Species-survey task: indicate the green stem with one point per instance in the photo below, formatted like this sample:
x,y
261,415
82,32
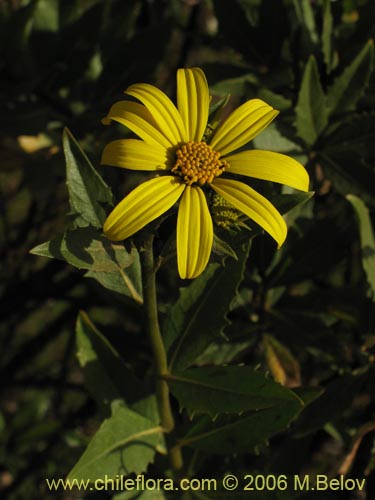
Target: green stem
x,y
158,349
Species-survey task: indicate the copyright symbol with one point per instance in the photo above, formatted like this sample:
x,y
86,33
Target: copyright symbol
x,y
230,482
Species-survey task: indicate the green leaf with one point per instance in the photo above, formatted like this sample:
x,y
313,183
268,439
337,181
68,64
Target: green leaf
x,y
311,110
286,202
46,17
199,315
107,262
367,239
125,443
106,375
239,435
222,249
344,93
226,389
327,36
272,139
305,14
223,352
87,190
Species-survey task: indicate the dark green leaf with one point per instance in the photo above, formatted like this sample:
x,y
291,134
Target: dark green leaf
x,y
286,202
125,443
223,352
343,95
87,190
311,110
222,248
226,389
327,36
367,239
106,375
199,315
239,435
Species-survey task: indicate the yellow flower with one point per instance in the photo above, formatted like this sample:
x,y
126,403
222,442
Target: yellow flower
x,y
171,143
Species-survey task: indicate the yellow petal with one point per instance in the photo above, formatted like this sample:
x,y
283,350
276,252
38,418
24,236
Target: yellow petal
x,y
162,110
193,101
139,120
269,166
241,126
134,154
143,205
194,233
254,205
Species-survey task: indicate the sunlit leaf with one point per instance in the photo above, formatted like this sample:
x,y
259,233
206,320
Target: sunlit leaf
x,y
126,442
107,262
88,193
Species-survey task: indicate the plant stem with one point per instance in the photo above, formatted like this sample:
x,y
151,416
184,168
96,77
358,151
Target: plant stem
x,y
157,345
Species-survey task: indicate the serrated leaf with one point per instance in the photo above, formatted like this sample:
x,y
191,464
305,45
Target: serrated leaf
x,y
88,193
199,315
226,389
125,443
311,109
281,362
239,435
107,262
344,93
367,239
106,375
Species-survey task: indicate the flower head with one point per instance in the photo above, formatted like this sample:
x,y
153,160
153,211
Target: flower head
x,y
172,144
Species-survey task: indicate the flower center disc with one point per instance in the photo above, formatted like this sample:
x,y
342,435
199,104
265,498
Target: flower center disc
x,y
198,163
